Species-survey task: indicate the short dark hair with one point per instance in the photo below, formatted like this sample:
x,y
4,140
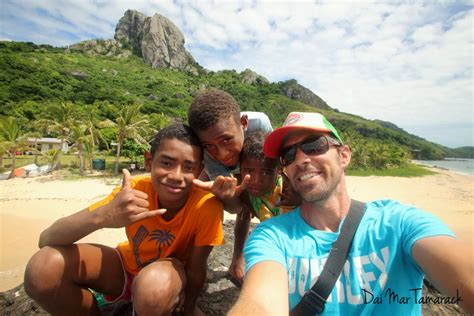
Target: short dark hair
x,y
253,145
177,131
208,107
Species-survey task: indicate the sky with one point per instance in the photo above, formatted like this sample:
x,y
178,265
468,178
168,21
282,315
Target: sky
x,y
409,63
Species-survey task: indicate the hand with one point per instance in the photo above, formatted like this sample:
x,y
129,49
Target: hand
x,y
288,196
127,207
224,188
236,269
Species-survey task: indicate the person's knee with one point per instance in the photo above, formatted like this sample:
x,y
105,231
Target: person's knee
x,y
157,287
44,272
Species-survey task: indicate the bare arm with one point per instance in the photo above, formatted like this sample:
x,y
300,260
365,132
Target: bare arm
x,y
449,264
241,231
128,206
265,291
232,206
196,269
70,229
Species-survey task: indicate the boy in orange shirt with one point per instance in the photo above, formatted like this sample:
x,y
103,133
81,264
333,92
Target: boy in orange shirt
x,y
171,227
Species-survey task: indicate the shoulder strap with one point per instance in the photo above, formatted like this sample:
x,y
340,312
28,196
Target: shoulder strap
x,y
313,301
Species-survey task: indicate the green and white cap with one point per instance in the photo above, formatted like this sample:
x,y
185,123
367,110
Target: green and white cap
x,y
310,121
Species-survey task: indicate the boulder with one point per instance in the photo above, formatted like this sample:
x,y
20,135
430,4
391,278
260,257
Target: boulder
x,y
79,74
130,28
156,39
162,45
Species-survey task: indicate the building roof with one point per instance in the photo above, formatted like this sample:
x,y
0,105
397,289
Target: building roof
x,y
49,140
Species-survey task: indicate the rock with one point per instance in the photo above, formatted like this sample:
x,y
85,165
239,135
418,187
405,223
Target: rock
x,y
163,44
78,74
156,39
108,47
293,90
16,302
249,76
194,69
218,296
130,27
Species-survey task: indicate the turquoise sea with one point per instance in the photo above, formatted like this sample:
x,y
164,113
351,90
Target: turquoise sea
x,y
463,165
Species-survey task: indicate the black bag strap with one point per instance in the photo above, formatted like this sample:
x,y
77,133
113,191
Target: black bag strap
x,y
314,300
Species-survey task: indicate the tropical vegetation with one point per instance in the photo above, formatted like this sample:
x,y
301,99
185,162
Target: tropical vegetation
x,y
113,106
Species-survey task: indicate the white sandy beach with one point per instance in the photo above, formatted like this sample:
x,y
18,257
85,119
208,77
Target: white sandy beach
x,y
27,206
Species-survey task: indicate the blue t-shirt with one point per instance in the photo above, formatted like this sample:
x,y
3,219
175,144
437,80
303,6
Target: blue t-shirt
x,y
256,121
380,275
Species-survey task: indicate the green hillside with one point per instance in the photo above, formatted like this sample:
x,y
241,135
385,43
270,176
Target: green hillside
x,y
35,77
463,152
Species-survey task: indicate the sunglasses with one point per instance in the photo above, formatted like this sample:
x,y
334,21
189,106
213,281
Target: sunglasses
x,y
312,146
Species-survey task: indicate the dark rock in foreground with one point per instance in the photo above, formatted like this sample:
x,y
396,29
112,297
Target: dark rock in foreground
x,y
218,297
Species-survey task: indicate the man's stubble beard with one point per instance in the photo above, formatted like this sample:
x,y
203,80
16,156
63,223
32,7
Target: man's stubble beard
x,y
325,190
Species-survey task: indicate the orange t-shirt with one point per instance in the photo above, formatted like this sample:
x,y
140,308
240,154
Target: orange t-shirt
x,y
198,223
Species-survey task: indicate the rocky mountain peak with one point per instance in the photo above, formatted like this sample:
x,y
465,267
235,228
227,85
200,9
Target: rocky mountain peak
x,y
156,39
293,90
130,26
249,76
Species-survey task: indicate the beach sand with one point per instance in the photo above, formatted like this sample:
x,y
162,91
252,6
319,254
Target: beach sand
x,y
28,206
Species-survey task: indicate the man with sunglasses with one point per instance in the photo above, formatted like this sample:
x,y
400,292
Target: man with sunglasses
x,y
393,248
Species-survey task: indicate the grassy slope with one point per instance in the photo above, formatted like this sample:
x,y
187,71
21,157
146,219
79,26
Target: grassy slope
x,y
37,75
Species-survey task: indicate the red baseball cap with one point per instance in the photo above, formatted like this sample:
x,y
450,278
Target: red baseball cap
x,y
310,121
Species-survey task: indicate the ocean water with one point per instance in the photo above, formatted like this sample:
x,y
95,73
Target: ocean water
x,y
463,165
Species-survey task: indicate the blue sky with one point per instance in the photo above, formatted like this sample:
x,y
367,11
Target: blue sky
x,y
410,63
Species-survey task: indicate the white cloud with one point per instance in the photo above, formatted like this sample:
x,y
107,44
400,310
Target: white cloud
x,y
408,63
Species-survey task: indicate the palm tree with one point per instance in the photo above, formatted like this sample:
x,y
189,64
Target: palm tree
x,y
93,129
78,134
86,135
89,152
59,119
13,138
130,123
162,237
3,150
34,147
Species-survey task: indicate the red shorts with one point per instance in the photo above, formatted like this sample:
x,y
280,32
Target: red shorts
x,y
126,294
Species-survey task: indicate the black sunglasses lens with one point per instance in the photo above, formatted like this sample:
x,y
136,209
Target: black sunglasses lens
x,y
312,146
316,146
288,156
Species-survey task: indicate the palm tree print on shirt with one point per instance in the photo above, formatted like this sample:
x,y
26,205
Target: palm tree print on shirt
x,y
162,237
